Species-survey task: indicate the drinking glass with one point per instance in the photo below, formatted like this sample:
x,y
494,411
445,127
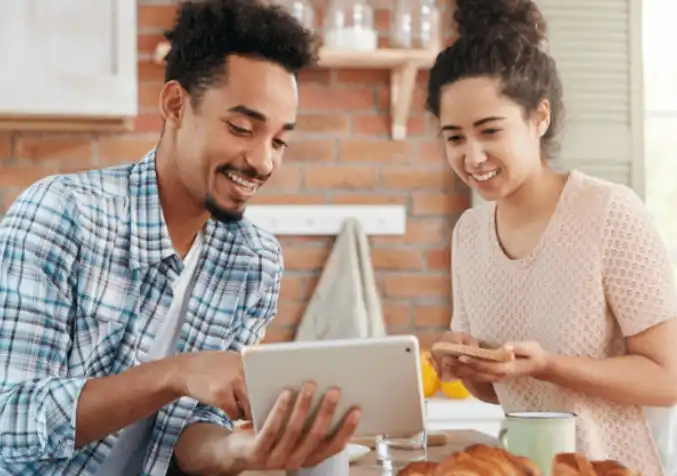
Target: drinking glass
x,y
393,454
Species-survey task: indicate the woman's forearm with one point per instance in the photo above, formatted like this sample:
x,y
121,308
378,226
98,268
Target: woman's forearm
x,y
629,379
482,391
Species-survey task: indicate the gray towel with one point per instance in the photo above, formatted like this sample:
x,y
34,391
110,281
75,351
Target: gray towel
x,y
346,302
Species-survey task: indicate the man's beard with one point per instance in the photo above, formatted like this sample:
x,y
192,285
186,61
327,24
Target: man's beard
x,y
222,214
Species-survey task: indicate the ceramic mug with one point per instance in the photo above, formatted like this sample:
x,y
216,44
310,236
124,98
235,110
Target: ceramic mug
x,y
539,436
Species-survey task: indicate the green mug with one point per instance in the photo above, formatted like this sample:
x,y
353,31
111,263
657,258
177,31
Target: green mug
x,y
539,436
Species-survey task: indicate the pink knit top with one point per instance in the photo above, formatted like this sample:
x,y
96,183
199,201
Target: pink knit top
x,y
599,273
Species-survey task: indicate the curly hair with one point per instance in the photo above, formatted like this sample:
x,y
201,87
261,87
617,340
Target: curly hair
x,y
206,32
504,39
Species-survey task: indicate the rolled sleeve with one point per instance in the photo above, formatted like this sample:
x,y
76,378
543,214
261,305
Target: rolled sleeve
x,y
38,248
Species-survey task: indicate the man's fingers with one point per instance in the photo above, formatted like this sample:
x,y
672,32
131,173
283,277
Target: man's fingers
x,y
338,441
318,431
293,430
274,424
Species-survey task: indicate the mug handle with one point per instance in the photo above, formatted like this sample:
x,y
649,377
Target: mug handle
x,y
503,438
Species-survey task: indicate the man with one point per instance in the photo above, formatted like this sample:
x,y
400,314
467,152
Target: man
x,y
111,281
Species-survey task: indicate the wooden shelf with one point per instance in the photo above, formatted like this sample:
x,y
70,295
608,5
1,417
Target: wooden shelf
x,y
66,124
403,66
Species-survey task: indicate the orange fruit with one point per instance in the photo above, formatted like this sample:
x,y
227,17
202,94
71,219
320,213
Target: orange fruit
x,y
454,389
429,377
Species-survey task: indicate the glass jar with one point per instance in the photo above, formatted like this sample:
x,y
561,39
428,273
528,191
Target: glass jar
x,y
415,24
302,10
349,25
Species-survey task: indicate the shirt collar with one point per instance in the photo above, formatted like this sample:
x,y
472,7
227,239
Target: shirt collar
x,y
149,240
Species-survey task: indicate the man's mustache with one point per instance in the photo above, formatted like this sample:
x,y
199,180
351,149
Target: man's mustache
x,y
248,172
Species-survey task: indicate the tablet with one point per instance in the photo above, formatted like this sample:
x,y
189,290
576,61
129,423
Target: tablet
x,y
380,375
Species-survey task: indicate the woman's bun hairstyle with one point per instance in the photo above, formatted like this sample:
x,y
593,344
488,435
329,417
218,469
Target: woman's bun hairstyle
x,y
501,20
505,39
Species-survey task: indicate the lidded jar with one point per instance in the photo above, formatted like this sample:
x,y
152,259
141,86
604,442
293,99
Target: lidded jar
x,y
349,25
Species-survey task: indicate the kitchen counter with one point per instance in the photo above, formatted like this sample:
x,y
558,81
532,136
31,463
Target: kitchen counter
x,y
457,440
444,413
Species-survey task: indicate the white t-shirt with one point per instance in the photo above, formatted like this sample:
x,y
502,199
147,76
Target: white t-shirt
x,y
126,457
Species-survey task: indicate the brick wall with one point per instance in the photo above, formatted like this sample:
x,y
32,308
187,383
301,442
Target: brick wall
x,y
341,155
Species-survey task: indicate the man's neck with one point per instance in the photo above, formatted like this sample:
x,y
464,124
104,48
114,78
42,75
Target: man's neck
x,y
185,217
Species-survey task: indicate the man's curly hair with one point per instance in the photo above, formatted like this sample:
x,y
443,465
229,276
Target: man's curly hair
x,y
206,32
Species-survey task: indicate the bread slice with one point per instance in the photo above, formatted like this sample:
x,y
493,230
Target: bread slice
x,y
457,350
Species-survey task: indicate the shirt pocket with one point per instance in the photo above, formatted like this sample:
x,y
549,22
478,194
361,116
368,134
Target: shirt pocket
x,y
107,304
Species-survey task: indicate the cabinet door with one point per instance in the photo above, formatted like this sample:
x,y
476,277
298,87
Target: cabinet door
x,y
69,58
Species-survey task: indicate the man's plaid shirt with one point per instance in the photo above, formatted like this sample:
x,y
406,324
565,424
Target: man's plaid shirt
x,y
86,273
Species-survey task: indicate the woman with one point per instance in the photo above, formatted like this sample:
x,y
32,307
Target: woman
x,y
566,270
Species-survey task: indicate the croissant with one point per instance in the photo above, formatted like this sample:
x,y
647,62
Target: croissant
x,y
475,460
484,460
574,464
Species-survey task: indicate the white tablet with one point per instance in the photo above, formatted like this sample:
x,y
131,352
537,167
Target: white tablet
x,y
380,375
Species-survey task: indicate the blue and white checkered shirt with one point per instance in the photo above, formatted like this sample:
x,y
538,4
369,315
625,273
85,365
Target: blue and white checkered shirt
x,y
86,273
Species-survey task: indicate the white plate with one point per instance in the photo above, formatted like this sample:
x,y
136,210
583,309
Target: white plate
x,y
355,452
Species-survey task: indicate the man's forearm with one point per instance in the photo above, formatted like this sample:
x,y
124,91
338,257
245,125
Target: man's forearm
x,y
482,391
202,450
109,404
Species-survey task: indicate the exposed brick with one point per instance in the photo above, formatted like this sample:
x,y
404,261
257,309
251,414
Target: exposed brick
x,y
438,259
150,71
287,177
278,333
60,149
396,313
397,259
290,287
311,151
289,312
432,316
363,76
22,175
346,177
361,198
5,145
314,97
425,203
150,122
420,231
323,123
416,285
263,197
149,96
118,150
304,258
381,151
155,16
413,177
148,42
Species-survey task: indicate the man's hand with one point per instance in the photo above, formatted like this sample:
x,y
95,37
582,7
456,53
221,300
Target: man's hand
x,y
215,378
294,442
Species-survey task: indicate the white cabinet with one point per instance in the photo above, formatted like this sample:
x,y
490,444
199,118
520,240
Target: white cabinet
x,y
68,58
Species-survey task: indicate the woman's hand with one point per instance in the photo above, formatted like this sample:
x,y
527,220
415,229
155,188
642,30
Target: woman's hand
x,y
530,360
449,367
